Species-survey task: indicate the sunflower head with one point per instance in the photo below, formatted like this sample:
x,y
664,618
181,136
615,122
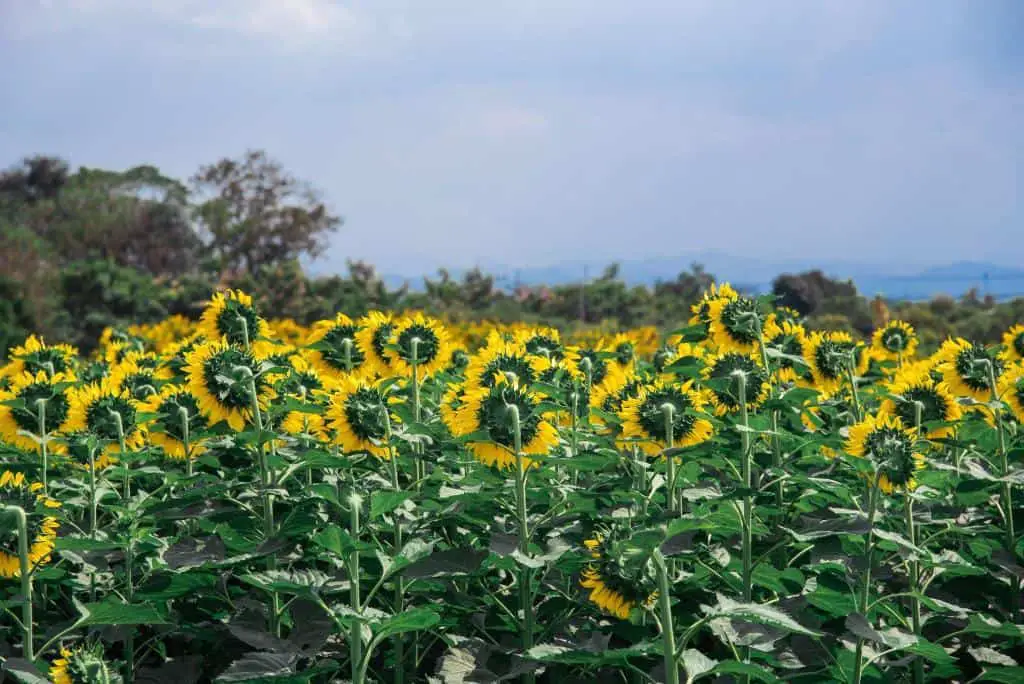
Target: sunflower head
x,y
487,410
141,375
790,340
702,309
107,412
334,346
891,447
359,417
1013,344
373,335
17,490
224,379
917,398
727,373
231,315
968,368
543,342
83,665
35,356
611,586
33,403
831,355
734,324
503,360
174,417
648,416
421,341
588,363
1011,390
895,340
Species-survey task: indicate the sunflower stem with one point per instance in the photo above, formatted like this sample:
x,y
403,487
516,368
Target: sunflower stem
x,y
865,596
914,572
355,597
43,446
268,499
25,575
186,440
414,362
129,644
747,527
780,482
399,602
92,491
120,442
1007,493
853,388
525,574
668,638
574,405
668,411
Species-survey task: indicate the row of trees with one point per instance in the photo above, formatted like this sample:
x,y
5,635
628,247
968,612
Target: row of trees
x,y
83,249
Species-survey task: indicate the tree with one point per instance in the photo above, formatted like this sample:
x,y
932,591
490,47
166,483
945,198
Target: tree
x,y
252,214
38,178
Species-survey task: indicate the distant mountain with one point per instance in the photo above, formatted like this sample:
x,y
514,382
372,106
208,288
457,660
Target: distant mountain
x,y
895,280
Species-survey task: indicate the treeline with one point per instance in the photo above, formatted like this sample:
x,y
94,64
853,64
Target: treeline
x,y
81,250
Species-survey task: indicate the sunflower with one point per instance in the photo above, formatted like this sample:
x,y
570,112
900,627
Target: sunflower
x,y
542,342
885,440
451,401
217,381
734,324
141,375
623,351
609,587
643,417
35,356
231,315
617,387
721,373
108,412
965,367
1013,345
172,411
305,380
83,665
936,400
702,309
829,355
458,360
334,348
790,340
374,331
288,330
299,423
895,341
1011,390
15,490
431,346
816,421
358,414
502,358
29,390
486,410
594,361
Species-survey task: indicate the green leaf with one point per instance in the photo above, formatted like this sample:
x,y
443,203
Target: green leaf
x,y
696,664
113,612
757,613
749,669
260,666
170,586
446,563
414,620
382,503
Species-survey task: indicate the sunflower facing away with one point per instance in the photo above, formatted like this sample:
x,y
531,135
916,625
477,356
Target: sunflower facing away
x,y
734,324
83,665
937,403
895,341
334,348
358,414
643,417
542,342
217,380
97,409
431,346
722,372
503,359
140,374
231,315
965,368
829,355
609,588
1011,390
702,309
35,355
886,441
1013,345
486,410
15,490
29,389
789,339
173,410
374,331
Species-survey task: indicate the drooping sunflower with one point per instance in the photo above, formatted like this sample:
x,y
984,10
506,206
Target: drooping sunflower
x,y
734,324
231,315
29,390
895,341
425,336
721,375
106,411
965,366
359,417
141,375
83,665
172,411
502,358
937,403
1011,390
611,588
485,410
1013,345
891,445
215,377
374,331
643,417
790,340
829,354
16,490
35,356
702,310
335,348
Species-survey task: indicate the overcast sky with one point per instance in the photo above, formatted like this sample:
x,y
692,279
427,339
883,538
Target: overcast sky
x,y
536,131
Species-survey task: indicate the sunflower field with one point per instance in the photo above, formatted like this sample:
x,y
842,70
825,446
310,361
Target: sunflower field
x,y
396,499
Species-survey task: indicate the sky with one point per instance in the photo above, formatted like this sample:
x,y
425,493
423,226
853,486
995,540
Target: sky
x,y
531,132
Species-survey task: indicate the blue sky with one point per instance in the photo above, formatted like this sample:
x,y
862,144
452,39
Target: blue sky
x,y
535,131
